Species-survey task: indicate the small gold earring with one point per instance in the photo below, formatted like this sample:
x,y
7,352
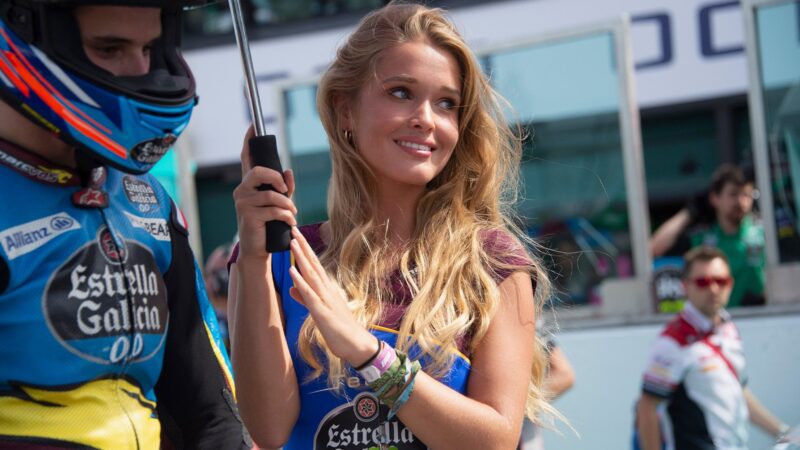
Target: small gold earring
x,y
348,135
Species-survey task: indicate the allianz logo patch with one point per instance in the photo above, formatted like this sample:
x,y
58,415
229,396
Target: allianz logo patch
x,y
27,237
154,227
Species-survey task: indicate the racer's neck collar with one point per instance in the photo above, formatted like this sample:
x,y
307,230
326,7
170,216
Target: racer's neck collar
x,y
35,167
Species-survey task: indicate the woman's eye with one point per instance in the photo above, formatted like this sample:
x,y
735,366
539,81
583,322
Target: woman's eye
x,y
399,92
448,104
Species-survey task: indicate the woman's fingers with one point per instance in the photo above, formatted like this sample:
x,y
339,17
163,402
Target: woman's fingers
x,y
264,175
288,176
309,254
305,265
264,199
245,155
258,218
308,297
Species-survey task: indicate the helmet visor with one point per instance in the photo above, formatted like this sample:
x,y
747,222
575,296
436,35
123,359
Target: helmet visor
x,y
167,81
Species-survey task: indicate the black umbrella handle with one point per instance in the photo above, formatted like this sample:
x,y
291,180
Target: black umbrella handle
x,y
264,152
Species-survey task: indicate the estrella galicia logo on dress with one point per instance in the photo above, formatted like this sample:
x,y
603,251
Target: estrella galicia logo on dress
x,y
140,193
362,425
366,407
108,303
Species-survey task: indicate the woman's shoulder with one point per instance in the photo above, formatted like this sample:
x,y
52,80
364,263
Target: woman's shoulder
x,y
502,246
505,253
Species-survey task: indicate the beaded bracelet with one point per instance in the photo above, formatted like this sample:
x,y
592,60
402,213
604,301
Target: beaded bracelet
x,y
393,377
409,387
390,391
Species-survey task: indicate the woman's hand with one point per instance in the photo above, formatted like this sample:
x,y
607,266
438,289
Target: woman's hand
x,y
327,303
254,208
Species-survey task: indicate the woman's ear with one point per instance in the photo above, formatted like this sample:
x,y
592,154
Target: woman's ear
x,y
341,105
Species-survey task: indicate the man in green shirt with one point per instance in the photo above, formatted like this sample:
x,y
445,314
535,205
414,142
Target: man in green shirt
x,y
735,231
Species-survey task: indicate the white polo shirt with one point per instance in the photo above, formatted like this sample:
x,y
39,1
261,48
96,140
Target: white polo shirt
x,y
700,370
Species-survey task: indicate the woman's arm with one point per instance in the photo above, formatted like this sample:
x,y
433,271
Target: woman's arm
x,y
490,415
266,383
267,391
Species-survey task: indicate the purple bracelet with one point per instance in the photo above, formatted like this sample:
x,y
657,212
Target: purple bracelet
x,y
380,364
385,358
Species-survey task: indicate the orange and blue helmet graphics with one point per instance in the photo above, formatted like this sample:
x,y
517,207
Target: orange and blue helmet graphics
x,y
129,122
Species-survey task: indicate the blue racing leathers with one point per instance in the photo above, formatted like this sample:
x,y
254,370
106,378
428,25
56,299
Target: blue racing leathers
x,y
108,339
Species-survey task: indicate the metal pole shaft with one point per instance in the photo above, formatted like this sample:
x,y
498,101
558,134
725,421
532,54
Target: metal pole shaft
x,y
247,65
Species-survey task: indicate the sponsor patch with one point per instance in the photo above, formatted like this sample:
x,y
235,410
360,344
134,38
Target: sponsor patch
x,y
27,237
149,152
115,252
140,194
155,227
108,303
62,176
92,196
361,425
40,173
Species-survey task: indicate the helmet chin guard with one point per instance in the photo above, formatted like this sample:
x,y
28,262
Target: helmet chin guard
x,y
126,122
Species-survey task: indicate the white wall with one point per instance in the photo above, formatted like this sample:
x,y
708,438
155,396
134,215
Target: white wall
x,y
608,363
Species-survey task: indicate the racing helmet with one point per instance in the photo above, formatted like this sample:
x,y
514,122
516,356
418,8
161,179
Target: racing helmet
x,y
128,122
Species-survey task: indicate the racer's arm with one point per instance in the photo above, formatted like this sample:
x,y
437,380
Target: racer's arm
x,y
647,422
560,375
667,234
761,416
194,391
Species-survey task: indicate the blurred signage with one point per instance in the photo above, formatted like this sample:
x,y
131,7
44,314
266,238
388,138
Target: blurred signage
x,y
668,292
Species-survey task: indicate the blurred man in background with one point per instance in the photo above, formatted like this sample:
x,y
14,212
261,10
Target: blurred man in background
x,y
215,276
559,379
735,231
695,394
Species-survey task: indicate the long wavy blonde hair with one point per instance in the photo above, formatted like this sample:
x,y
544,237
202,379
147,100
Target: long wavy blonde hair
x,y
445,265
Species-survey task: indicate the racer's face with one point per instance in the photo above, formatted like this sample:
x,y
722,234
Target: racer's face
x,y
708,286
118,39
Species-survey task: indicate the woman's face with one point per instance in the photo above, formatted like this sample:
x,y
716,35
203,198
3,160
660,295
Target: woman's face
x,y
405,120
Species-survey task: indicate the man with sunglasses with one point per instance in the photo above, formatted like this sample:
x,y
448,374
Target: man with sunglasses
x,y
694,395
107,337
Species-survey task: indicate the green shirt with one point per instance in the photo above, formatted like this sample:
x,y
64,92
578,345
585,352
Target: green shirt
x,y
745,252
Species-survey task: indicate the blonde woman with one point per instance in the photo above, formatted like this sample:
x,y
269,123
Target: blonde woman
x,y
408,319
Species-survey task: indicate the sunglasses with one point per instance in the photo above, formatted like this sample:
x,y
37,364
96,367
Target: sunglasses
x,y
704,282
